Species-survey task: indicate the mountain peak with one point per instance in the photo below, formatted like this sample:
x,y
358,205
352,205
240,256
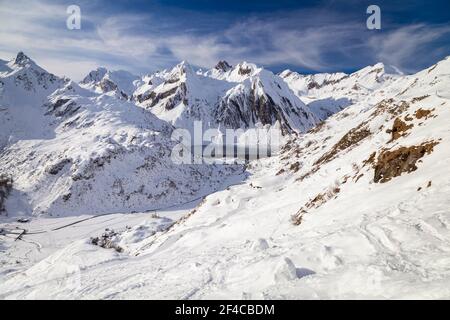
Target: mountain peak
x,y
95,75
223,66
22,60
245,67
182,68
378,67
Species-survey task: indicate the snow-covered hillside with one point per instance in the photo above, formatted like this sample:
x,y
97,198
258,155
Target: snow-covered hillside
x,y
357,207
76,151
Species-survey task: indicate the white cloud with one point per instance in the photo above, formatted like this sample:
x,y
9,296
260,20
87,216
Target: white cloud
x,y
408,45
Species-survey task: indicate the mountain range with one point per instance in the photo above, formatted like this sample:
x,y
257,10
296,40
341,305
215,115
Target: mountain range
x,y
354,204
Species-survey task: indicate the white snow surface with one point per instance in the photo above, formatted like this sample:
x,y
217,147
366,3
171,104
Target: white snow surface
x,y
359,239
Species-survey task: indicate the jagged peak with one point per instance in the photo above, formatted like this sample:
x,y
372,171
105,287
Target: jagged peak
x,y
242,71
244,66
22,59
223,66
95,75
101,70
182,69
21,63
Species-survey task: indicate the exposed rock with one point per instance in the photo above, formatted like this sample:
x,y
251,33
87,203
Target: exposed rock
x,y
244,70
390,107
6,183
295,167
393,163
223,65
316,202
351,138
423,113
246,109
62,108
57,167
416,99
174,96
399,129
107,240
22,59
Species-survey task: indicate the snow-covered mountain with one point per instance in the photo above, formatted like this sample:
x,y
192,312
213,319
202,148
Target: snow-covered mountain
x,y
120,83
328,93
72,150
356,86
241,97
24,83
356,207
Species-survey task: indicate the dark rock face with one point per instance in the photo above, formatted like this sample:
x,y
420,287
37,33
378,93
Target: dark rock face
x,y
244,71
57,167
21,59
107,85
223,65
6,183
62,108
175,96
313,85
247,109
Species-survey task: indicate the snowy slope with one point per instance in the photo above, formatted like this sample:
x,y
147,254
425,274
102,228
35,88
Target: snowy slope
x,y
355,208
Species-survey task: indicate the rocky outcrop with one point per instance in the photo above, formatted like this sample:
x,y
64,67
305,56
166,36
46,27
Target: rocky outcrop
x,y
6,183
393,163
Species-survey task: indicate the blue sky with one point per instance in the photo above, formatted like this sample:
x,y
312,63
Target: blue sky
x,y
146,35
